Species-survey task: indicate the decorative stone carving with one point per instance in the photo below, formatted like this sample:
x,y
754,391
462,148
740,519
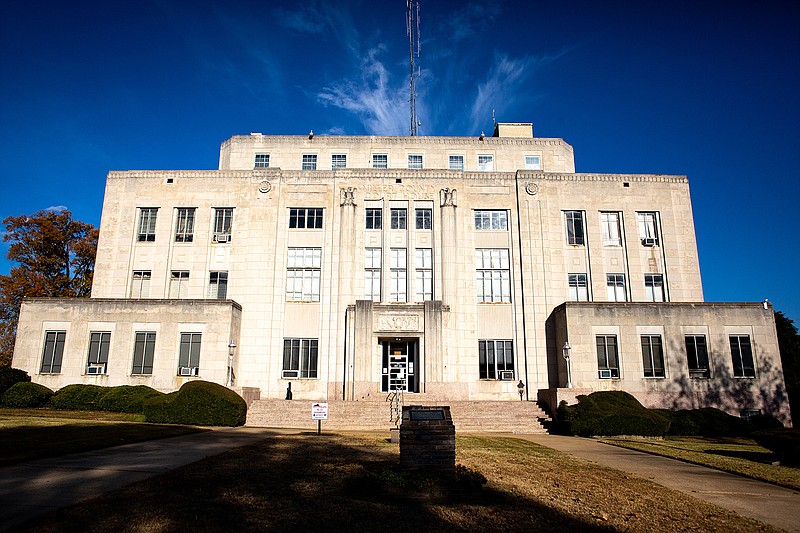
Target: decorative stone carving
x,y
264,186
532,188
398,323
348,196
447,197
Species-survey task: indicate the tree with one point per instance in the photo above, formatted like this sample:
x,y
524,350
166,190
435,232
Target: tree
x,y
54,257
789,345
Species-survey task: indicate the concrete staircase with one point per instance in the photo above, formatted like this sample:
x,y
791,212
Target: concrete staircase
x,y
468,417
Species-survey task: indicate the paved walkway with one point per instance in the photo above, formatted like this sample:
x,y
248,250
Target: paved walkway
x,y
768,503
31,489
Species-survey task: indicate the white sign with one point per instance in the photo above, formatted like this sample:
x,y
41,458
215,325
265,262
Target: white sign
x,y
319,411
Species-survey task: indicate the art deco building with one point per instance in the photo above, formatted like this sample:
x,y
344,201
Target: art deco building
x,y
454,268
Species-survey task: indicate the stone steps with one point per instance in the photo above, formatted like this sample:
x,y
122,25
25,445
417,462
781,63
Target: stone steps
x,y
468,416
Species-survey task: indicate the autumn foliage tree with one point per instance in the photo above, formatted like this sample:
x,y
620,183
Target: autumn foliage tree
x,y
53,256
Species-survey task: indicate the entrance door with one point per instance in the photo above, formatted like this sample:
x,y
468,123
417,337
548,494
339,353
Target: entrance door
x,y
399,365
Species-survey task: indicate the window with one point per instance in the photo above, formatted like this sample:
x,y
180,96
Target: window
x,y
493,280
414,160
218,285
491,220
300,358
616,288
303,274
648,228
380,160
184,224
654,287
652,356
147,224
578,288
140,285
423,261
495,359
99,342
338,161
607,357
374,218
143,350
262,161
305,218
309,162
53,352
533,162
697,356
423,218
609,225
397,275
372,274
223,219
456,162
742,354
575,234
189,354
179,284
398,218
486,163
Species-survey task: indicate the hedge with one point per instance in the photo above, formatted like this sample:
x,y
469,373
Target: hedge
x,y
78,397
199,403
9,376
126,398
26,394
610,413
785,443
705,422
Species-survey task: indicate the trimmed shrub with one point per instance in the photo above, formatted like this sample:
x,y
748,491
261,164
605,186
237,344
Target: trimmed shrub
x,y
199,403
785,443
78,397
126,398
26,394
9,376
763,422
705,422
611,413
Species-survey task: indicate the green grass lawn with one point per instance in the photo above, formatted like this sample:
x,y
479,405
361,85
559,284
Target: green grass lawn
x,y
736,455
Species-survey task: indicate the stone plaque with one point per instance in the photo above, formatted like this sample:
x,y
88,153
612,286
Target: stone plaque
x,y
398,323
433,414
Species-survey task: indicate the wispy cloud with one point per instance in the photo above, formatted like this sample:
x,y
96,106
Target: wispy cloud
x,y
322,18
465,22
56,208
307,19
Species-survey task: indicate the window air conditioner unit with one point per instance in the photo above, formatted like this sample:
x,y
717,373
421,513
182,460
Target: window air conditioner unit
x,y
290,374
605,374
506,375
189,370
222,237
96,369
649,241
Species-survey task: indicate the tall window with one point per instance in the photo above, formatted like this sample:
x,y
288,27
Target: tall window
x,y
189,354
374,218
338,161
533,162
496,359
305,218
303,271
398,218
380,160
414,160
262,161
143,350
397,275
140,284
654,287
575,228
652,356
697,356
616,288
184,224
456,162
309,162
423,261
218,285
223,220
493,278
609,225
578,288
97,361
147,224
607,356
486,163
742,355
648,228
179,284
486,219
423,218
372,274
53,352
300,358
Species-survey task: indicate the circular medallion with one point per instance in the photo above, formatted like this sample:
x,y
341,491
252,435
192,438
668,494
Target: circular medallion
x,y
532,188
264,186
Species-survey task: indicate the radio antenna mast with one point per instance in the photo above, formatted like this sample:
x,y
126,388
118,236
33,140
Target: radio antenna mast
x,y
412,28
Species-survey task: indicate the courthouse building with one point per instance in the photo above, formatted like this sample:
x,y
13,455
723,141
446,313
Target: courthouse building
x,y
453,268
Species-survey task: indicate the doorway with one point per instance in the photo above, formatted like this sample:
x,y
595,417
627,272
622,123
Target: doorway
x,y
399,365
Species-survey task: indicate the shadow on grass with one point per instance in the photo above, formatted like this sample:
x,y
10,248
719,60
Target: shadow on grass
x,y
757,457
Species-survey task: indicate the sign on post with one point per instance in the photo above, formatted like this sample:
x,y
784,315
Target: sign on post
x,y
319,412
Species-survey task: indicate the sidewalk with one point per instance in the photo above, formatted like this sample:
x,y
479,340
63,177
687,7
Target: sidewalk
x,y
31,489
768,503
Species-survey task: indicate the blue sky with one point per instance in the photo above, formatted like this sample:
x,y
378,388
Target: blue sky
x,y
707,89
